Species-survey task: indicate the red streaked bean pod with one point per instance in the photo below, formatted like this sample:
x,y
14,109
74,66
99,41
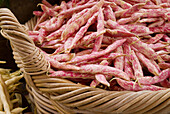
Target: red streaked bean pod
x,y
80,21
38,13
133,9
132,86
109,14
101,69
70,74
82,31
149,80
137,68
48,11
63,57
98,54
119,33
165,83
100,27
122,3
55,64
76,9
164,65
147,63
119,61
55,34
142,47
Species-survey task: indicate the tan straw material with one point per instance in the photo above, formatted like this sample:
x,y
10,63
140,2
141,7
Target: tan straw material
x,y
56,95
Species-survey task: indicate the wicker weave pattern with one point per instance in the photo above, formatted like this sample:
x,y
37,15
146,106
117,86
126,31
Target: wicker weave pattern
x,y
53,95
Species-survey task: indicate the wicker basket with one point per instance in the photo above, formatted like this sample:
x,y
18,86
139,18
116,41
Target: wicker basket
x,y
56,95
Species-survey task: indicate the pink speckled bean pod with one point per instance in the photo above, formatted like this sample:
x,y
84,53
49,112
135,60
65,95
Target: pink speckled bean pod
x,y
55,64
115,25
166,38
55,46
165,57
137,28
161,52
74,2
107,40
151,7
109,14
155,39
83,2
46,3
160,29
156,65
42,34
148,20
102,79
147,63
149,80
33,32
149,2
35,38
165,1
87,51
54,35
119,13
82,31
142,47
119,61
157,2
101,69
165,5
50,43
133,9
80,21
89,38
122,3
133,18
76,16
60,19
63,57
137,68
113,6
157,46
98,54
128,69
110,56
157,24
165,83
76,9
59,50
48,11
42,19
70,74
132,86
38,13
127,65
100,27
67,44
119,33
44,23
153,12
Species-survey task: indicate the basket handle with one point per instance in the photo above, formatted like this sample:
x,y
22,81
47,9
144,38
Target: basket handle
x,y
27,56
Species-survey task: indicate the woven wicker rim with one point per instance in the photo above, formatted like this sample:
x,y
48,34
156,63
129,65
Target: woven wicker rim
x,y
52,95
